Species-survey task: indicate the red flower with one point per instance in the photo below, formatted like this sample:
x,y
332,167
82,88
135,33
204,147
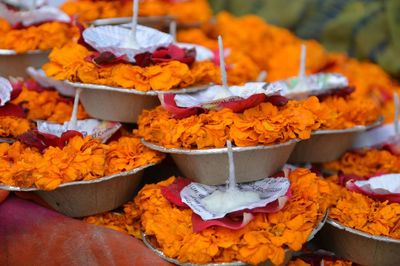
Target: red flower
x,y
12,110
42,141
104,58
174,53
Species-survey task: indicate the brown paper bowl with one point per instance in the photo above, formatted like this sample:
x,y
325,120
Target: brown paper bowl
x,y
84,198
120,104
210,166
327,145
359,247
288,252
14,65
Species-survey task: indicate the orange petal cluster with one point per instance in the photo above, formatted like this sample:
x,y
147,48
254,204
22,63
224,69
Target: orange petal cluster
x,y
116,221
264,238
360,212
41,37
366,163
80,159
182,11
47,105
13,126
273,49
339,113
369,79
263,124
69,63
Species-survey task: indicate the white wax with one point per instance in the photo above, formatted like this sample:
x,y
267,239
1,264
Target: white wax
x,y
224,78
72,125
302,84
172,30
228,201
131,42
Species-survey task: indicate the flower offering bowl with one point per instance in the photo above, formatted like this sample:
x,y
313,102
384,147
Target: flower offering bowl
x,y
288,252
13,64
328,145
359,247
120,104
210,166
84,198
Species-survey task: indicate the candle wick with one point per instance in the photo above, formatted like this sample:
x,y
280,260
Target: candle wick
x,y
73,123
172,30
396,112
222,63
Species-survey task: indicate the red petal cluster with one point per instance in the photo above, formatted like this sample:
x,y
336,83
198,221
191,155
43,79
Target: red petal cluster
x,y
42,141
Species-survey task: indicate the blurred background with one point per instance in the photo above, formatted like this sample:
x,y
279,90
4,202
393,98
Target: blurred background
x,y
362,28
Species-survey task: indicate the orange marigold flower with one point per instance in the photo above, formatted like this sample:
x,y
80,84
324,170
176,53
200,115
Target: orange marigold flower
x,y
13,126
261,125
47,105
4,26
69,63
360,212
186,12
41,37
264,238
80,159
366,163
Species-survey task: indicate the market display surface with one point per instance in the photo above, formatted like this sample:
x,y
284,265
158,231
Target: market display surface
x,y
282,153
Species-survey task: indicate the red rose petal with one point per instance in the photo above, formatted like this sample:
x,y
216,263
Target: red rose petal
x,y
174,53
178,112
12,110
104,58
199,224
277,100
42,141
340,92
173,192
31,139
238,106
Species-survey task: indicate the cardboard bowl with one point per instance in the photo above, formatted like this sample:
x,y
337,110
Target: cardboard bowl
x,y
328,145
359,247
288,253
14,65
120,104
210,166
84,198
157,22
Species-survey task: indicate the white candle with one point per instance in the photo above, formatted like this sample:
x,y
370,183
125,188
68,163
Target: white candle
x,y
232,175
222,63
396,112
262,76
73,123
302,70
172,30
226,201
132,38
